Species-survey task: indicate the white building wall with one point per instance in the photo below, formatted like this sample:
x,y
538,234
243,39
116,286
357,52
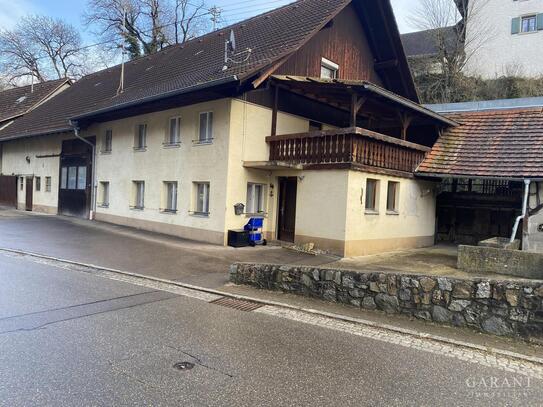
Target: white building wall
x,y
34,157
493,49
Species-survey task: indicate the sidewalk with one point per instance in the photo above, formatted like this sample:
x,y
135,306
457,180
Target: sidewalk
x,y
141,252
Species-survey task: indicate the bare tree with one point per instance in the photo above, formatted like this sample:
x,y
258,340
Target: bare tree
x,y
188,21
42,48
149,25
458,30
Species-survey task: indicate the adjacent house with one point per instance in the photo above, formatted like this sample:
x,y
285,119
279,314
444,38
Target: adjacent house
x,y
497,38
14,104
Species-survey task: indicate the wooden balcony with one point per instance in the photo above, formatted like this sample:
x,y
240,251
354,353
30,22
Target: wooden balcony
x,y
353,145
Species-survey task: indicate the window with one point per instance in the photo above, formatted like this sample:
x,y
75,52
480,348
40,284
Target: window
x,y
21,183
104,194
255,198
174,132
64,178
140,140
528,24
138,194
170,196
47,184
81,177
38,183
393,194
329,69
202,198
205,134
72,177
107,141
372,195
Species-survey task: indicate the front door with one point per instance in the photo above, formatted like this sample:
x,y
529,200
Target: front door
x,y
287,208
29,193
75,178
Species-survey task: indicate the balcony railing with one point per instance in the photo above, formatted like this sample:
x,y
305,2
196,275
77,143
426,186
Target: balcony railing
x,y
350,145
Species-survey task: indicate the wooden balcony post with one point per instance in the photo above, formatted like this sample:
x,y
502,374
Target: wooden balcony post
x,y
405,119
356,104
274,111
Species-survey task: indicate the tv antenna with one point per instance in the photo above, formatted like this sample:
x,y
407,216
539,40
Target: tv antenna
x,y
120,89
215,16
230,47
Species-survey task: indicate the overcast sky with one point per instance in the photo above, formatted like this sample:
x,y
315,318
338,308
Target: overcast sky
x,y
71,10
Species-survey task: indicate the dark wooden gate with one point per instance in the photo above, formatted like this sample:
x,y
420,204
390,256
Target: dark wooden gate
x,y
29,193
8,191
75,190
287,208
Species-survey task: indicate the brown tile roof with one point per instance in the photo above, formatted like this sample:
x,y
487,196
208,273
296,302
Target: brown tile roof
x,y
270,36
199,62
17,101
500,143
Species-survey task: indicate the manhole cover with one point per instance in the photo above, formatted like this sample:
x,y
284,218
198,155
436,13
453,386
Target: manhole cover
x,y
183,365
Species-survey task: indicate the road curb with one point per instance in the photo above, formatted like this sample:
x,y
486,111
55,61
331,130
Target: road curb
x,y
405,331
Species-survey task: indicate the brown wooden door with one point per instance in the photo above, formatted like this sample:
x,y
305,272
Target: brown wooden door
x,y
287,208
8,191
29,193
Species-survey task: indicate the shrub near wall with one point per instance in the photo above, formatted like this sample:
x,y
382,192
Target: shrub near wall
x,y
504,308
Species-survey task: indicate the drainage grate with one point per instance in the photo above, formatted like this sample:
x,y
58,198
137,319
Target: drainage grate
x,y
237,304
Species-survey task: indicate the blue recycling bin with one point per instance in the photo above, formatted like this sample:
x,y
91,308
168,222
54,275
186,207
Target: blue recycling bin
x,y
254,227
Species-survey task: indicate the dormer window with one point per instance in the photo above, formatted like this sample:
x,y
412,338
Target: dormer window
x,y
329,69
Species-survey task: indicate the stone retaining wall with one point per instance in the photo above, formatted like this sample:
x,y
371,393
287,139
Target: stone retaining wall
x,y
499,307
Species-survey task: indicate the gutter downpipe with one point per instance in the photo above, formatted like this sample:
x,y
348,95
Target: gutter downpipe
x,y
92,211
524,206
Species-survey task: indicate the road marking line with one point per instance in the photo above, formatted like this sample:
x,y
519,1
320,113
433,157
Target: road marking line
x,y
300,314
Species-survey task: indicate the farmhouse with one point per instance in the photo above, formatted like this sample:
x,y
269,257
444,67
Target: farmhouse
x,y
306,116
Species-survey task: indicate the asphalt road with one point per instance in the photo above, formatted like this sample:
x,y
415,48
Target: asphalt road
x,y
69,338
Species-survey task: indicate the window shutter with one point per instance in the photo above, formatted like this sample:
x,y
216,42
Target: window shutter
x,y
515,25
540,21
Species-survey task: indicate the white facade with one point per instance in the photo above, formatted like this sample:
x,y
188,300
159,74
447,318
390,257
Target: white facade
x,y
501,38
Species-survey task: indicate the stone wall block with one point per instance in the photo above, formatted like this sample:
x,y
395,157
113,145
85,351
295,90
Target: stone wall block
x,y
427,284
512,296
444,283
483,290
368,303
463,289
387,303
392,285
440,314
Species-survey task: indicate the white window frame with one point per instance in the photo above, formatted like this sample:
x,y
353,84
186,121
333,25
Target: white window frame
x,y
104,194
526,17
330,66
394,210
202,210
170,202
177,139
374,209
209,128
252,194
139,195
48,182
138,139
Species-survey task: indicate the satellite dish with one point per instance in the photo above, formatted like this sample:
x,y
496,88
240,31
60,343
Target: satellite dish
x,y
232,41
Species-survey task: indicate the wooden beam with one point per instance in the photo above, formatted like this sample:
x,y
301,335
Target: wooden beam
x,y
405,119
356,104
274,110
382,65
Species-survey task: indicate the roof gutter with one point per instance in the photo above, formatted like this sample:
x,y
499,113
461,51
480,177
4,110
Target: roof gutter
x,y
407,103
200,86
458,176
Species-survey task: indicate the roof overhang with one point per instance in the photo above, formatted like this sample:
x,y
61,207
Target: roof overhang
x,y
473,176
340,90
231,80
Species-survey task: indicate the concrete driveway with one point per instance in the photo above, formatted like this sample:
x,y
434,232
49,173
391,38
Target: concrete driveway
x,y
135,250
